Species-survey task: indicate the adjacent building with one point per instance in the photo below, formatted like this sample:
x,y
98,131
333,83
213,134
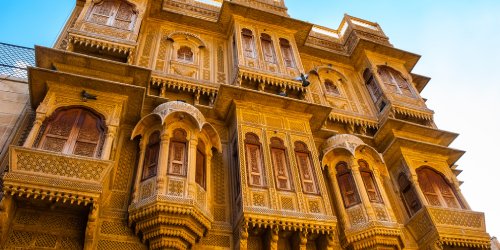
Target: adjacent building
x,y
186,124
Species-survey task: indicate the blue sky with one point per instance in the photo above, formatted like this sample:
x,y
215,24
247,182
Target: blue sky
x,y
458,41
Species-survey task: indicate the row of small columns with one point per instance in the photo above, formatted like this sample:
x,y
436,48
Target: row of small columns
x,y
367,205
163,164
273,238
37,125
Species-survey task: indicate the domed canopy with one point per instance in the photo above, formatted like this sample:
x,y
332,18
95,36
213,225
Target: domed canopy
x,y
173,110
347,142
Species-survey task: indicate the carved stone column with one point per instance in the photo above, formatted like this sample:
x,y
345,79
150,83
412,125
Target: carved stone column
x,y
37,124
135,192
381,187
162,163
7,210
91,229
108,143
243,244
344,219
208,183
273,238
303,240
362,192
461,198
191,171
420,194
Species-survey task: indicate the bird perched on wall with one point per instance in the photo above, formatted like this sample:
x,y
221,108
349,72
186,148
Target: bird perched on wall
x,y
303,78
87,96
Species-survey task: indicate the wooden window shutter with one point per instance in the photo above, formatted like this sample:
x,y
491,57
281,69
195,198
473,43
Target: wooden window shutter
x,y
73,131
178,153
253,158
151,155
200,175
347,185
280,164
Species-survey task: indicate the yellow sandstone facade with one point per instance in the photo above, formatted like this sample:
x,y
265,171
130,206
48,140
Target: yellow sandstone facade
x,y
185,124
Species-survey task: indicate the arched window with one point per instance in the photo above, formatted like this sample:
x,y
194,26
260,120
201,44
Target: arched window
x,y
304,163
408,194
73,131
178,153
116,13
370,184
395,82
248,43
184,53
280,164
151,154
436,189
287,53
346,184
374,89
267,48
331,88
253,152
201,165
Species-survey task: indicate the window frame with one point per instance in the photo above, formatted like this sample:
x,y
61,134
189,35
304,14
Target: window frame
x,y
147,157
277,145
268,41
433,181
72,139
301,148
346,174
112,17
252,140
178,139
369,179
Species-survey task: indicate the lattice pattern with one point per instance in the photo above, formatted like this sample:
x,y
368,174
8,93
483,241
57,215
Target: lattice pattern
x,y
125,166
14,60
54,164
115,228
314,207
113,245
118,200
216,240
176,188
219,213
287,203
356,215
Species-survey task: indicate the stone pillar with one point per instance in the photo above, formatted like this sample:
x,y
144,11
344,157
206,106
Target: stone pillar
x,y
303,240
208,174
91,229
460,196
344,219
108,143
383,193
37,124
142,149
362,192
273,238
191,167
420,194
162,163
243,244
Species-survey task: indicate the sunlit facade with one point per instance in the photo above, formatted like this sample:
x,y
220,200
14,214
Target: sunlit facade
x,y
186,124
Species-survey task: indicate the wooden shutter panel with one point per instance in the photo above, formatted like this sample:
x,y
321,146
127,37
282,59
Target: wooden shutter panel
x,y
151,156
281,168
306,172
370,186
59,130
101,13
348,189
177,158
200,169
88,135
254,164
427,188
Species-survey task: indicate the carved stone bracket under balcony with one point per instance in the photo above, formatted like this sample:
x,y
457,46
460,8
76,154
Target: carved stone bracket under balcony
x,y
164,83
451,227
169,222
39,174
252,75
372,234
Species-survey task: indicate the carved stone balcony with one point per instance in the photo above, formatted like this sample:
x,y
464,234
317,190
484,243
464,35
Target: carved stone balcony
x,y
40,174
449,227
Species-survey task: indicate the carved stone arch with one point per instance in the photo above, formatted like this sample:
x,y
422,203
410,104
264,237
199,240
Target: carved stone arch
x,y
438,171
407,77
371,152
214,137
200,42
144,124
351,144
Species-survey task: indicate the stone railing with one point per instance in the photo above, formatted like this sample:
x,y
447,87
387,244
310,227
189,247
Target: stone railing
x,y
450,226
40,174
343,39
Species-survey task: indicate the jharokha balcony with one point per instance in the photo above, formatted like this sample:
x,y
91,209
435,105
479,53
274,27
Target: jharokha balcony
x,y
40,174
445,227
